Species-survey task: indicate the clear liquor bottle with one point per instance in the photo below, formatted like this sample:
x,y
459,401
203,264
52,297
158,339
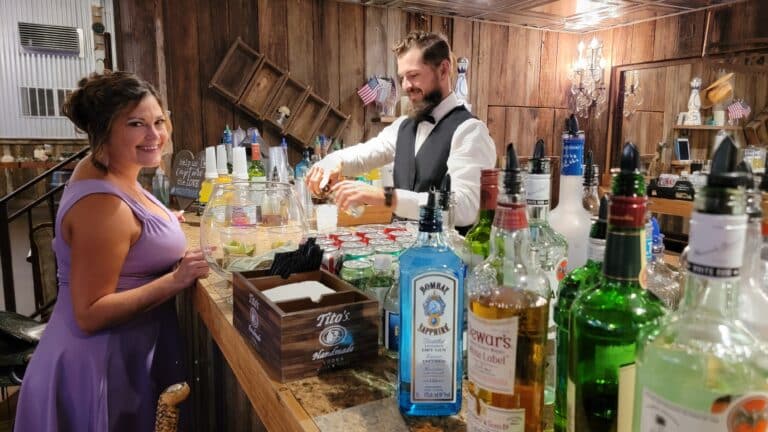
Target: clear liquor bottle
x,y
573,284
607,318
663,282
448,204
431,313
589,198
569,217
753,299
509,303
548,247
703,370
478,236
392,319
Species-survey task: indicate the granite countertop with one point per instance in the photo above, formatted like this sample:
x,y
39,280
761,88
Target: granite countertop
x,y
353,399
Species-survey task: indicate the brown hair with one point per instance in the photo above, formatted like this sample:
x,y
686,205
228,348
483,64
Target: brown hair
x,y
434,46
98,100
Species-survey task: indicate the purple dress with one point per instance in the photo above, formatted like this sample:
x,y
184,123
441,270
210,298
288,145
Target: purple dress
x,y
110,380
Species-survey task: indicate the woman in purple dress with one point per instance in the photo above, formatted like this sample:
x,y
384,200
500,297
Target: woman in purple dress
x,y
112,344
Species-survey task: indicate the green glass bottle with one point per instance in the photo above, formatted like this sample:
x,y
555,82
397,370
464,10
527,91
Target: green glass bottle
x,y
575,282
607,318
703,369
478,236
256,171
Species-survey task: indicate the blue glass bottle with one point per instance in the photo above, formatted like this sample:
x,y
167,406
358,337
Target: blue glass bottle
x,y
431,314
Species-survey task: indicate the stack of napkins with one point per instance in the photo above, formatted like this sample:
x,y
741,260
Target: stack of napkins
x,y
312,289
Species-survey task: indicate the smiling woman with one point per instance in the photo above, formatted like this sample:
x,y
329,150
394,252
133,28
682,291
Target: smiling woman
x,y
112,342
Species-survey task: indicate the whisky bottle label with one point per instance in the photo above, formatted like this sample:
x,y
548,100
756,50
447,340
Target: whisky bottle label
x,y
485,418
626,397
492,353
435,335
537,189
726,414
717,245
391,331
570,397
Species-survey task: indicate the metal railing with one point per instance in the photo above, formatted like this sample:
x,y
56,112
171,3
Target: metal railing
x,y
6,260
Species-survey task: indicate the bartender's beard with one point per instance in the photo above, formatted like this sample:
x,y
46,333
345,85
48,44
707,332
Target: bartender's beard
x,y
426,105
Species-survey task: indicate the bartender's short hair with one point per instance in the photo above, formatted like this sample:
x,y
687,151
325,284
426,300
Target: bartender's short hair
x,y
434,46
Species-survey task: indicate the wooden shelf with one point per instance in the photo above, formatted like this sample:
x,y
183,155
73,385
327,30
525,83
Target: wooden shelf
x,y
670,207
384,119
706,127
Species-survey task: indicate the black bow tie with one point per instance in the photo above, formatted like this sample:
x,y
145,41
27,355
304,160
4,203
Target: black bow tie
x,y
426,118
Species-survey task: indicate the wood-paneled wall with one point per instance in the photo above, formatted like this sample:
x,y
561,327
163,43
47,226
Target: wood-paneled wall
x,y
518,77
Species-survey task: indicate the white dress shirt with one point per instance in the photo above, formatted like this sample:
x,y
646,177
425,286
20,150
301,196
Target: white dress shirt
x,y
472,150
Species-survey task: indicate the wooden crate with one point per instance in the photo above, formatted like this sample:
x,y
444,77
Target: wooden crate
x,y
291,94
334,123
266,82
236,70
308,118
371,215
300,338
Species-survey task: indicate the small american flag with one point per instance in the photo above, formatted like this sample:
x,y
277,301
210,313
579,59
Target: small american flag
x,y
738,110
369,91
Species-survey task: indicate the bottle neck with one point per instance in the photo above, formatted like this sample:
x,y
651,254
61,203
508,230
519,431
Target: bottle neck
x,y
537,193
590,191
625,245
509,232
715,258
751,261
596,250
570,191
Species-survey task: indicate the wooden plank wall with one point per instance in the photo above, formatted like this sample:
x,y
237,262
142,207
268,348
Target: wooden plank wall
x,y
518,77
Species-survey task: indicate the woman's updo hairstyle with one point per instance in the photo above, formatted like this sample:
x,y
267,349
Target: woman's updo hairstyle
x,y
98,100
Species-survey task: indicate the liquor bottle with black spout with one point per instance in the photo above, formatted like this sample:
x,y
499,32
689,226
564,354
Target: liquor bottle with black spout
x,y
569,217
590,199
431,315
607,318
548,247
509,303
572,285
702,369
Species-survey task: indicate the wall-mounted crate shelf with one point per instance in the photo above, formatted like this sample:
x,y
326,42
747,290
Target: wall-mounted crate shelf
x,y
291,94
334,122
259,87
236,70
308,118
266,82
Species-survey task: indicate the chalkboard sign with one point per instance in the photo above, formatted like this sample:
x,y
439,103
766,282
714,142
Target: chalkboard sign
x,y
187,175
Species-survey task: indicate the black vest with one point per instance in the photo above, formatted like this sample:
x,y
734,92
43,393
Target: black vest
x,y
427,169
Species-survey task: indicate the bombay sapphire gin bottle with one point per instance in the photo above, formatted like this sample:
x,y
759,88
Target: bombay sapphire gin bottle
x,y
431,314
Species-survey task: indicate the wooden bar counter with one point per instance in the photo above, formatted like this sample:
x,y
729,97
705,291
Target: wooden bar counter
x,y
353,399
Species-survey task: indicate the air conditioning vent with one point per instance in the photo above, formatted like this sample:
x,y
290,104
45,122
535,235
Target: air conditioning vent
x,y
51,39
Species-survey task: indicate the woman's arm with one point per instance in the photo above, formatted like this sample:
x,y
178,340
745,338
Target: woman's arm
x,y
100,230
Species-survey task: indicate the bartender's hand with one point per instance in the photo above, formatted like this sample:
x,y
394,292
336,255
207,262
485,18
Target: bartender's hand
x,y
349,193
318,177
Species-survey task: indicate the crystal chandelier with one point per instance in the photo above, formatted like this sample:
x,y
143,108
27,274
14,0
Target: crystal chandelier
x,y
632,96
588,88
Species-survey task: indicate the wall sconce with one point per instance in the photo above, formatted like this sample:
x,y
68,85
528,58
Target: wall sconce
x,y
588,88
632,96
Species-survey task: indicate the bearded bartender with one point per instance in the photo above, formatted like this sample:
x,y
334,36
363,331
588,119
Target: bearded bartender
x,y
439,137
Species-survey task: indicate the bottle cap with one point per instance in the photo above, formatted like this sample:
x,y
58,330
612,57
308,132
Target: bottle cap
x,y
538,163
382,262
283,142
445,193
589,170
221,160
210,163
722,172
239,164
513,180
630,159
